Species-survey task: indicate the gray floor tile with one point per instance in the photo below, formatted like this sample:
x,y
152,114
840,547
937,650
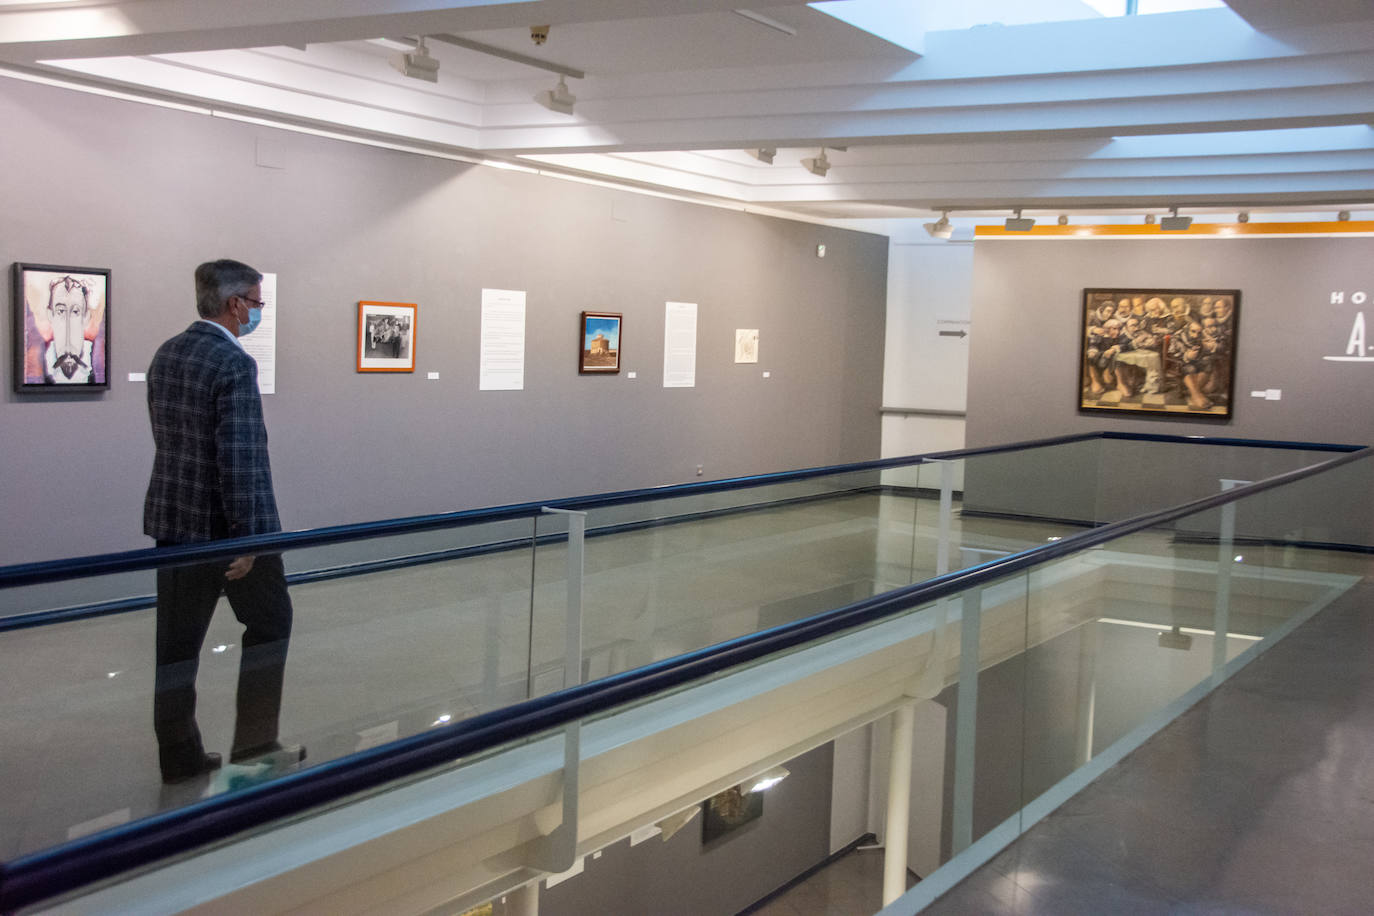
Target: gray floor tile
x,y
1258,800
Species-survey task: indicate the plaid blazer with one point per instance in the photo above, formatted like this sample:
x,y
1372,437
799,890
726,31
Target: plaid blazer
x,y
211,477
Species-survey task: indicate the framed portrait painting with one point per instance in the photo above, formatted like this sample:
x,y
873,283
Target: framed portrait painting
x,y
61,328
386,336
1163,352
599,343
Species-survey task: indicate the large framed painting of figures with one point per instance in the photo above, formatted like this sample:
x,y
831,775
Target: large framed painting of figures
x,y
61,328
1162,352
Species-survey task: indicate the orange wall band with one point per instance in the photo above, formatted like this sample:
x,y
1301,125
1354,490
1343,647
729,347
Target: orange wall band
x,y
1209,230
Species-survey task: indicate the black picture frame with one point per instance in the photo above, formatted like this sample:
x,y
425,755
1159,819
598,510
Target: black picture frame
x,y
1173,354
599,343
61,328
728,811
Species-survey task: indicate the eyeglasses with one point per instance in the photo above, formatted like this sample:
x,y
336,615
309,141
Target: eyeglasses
x,y
257,302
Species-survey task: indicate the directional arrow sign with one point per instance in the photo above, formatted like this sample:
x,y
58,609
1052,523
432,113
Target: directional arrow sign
x,y
954,333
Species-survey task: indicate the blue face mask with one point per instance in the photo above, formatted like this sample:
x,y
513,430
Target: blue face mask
x,y
254,319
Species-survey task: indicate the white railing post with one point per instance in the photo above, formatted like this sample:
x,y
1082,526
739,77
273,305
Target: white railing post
x,y
966,719
933,679
557,851
1221,619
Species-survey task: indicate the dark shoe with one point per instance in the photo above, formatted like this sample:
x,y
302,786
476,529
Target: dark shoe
x,y
208,764
276,754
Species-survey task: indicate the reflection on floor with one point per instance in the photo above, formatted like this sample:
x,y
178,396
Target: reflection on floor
x,y
392,653
849,886
1260,799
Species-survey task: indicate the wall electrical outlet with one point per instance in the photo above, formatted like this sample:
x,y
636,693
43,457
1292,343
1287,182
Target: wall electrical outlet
x,y
699,470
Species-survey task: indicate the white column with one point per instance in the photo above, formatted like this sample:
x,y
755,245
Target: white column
x,y
898,822
524,901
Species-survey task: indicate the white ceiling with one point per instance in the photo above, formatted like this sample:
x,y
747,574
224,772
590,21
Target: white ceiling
x,y
1262,103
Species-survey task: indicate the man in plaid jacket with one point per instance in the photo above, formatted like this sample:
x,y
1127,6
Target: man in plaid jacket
x,y
211,479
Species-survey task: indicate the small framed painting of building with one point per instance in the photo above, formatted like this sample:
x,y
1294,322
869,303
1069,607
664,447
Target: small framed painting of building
x,y
598,343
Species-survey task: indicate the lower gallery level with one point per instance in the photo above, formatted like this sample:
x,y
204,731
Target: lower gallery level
x,y
1073,660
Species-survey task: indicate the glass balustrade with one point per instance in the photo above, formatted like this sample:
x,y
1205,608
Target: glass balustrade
x,y
1034,676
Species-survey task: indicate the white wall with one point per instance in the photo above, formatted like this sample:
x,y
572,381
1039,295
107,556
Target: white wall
x,y
928,291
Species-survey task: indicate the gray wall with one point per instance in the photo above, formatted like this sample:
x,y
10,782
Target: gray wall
x,y
150,192
683,876
1024,369
1027,295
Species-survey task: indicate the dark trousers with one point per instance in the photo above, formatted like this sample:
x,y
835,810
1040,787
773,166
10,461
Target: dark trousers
x,y
186,599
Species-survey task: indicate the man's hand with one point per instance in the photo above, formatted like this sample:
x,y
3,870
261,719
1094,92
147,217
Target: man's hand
x,y
239,568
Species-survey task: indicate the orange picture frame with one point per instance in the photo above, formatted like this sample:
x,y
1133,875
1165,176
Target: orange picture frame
x,y
387,336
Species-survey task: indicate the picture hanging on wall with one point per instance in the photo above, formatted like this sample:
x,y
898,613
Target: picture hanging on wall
x,y
729,811
746,345
599,343
61,328
1168,352
386,336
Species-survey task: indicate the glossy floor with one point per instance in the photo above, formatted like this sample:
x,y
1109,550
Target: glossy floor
x,y
387,654
1258,800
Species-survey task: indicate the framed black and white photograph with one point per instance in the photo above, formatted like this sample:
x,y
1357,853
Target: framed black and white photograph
x,y
1159,351
61,328
599,343
728,811
386,336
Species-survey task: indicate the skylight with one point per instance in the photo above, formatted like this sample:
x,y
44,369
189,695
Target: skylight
x,y
905,22
1147,7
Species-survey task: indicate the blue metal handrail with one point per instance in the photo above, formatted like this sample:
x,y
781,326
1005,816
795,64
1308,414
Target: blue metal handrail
x,y
40,875
153,557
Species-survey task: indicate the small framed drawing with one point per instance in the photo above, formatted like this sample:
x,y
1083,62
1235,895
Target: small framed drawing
x,y
386,336
1161,352
61,328
598,343
746,345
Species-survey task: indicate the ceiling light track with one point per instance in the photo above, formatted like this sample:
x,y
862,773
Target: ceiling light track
x,y
515,56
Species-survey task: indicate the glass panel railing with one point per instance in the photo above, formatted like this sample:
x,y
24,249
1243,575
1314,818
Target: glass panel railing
x,y
988,707
418,631
402,636
1145,476
668,576
1124,636
994,520
1056,484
